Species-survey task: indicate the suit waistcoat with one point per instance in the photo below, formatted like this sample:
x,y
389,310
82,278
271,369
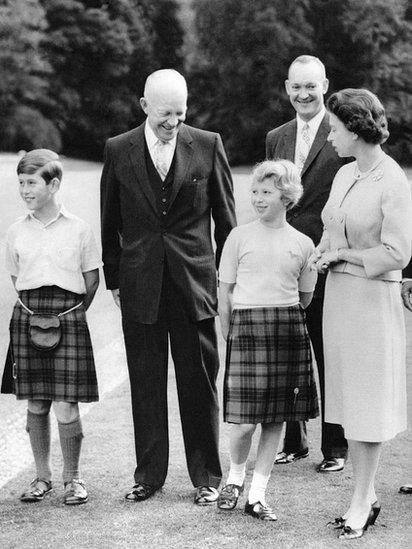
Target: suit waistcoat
x,y
161,189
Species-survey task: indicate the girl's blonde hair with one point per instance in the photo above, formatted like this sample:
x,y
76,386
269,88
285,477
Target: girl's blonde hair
x,y
285,177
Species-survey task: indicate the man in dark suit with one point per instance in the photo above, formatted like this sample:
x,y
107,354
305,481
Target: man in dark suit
x,y
303,141
406,293
161,184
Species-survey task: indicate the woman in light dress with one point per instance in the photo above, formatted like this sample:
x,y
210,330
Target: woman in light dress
x,y
365,245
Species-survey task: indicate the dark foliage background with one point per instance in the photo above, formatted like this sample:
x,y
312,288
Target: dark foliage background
x,y
73,70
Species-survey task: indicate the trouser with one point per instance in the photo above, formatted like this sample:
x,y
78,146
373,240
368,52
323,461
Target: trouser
x,y
333,443
196,361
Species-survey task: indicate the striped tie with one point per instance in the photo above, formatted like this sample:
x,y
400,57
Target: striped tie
x,y
304,147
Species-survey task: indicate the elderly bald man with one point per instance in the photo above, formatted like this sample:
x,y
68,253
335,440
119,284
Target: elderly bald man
x,y
162,183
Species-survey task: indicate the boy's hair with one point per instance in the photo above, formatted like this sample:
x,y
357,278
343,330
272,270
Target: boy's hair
x,y
44,161
285,177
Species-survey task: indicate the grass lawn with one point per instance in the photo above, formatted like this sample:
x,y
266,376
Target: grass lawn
x,y
303,499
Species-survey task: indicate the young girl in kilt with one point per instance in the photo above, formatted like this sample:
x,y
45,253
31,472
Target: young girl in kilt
x,y
53,261
265,283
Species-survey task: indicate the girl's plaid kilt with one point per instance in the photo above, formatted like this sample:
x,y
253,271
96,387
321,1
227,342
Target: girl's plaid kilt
x,y
269,372
66,373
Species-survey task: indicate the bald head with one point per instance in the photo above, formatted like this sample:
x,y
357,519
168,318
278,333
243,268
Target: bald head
x,y
165,102
165,81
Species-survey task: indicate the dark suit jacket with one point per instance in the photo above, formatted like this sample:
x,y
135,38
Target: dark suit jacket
x,y
407,272
137,238
317,175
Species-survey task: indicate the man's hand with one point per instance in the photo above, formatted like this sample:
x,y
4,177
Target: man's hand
x,y
116,297
406,293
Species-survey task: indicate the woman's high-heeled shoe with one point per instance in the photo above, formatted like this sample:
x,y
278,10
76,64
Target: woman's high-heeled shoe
x,y
353,533
376,509
339,522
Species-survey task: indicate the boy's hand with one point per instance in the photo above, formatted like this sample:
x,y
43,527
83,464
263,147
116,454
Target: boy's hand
x,y
116,296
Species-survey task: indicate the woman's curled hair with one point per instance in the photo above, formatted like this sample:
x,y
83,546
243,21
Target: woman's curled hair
x,y
361,112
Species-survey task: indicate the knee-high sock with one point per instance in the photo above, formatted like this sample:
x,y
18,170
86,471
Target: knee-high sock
x,y
38,427
71,435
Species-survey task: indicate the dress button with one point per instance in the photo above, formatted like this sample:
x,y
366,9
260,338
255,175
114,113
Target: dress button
x,y
163,188
163,212
163,199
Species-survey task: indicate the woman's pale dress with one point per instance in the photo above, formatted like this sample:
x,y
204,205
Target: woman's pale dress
x,y
363,322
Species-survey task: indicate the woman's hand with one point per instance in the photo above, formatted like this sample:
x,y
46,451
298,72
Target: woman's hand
x,y
327,259
313,259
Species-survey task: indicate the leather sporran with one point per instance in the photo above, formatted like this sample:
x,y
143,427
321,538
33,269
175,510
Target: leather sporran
x,y
44,331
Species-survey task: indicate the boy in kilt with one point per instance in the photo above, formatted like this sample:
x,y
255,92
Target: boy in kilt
x,y
53,261
265,285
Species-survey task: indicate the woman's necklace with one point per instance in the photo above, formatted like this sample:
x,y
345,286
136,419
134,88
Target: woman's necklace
x,y
376,176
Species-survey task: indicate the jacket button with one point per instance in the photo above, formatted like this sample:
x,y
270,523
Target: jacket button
x,y
164,213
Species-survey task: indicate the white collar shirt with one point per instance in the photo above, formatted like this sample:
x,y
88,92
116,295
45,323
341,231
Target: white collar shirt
x,y
313,124
151,141
55,253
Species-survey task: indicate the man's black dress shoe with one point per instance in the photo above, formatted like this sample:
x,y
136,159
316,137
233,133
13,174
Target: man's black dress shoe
x,y
331,465
140,492
406,489
206,495
283,457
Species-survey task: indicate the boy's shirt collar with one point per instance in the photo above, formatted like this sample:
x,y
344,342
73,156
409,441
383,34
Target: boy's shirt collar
x,y
61,213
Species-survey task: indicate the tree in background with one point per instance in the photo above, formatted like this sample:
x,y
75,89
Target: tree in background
x,y
238,71
100,52
167,32
24,82
243,50
367,43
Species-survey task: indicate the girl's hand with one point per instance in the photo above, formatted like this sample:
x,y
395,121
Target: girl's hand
x,y
313,259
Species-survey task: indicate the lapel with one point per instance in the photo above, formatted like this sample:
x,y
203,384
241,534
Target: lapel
x,y
344,190
183,154
318,143
138,161
289,142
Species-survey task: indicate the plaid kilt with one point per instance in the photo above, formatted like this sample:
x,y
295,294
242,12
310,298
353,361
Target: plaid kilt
x,y
269,373
66,373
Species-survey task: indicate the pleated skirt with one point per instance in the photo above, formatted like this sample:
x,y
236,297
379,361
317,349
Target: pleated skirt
x,y
66,373
269,373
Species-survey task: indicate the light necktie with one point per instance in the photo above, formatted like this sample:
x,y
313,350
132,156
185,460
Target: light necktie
x,y
161,158
304,147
